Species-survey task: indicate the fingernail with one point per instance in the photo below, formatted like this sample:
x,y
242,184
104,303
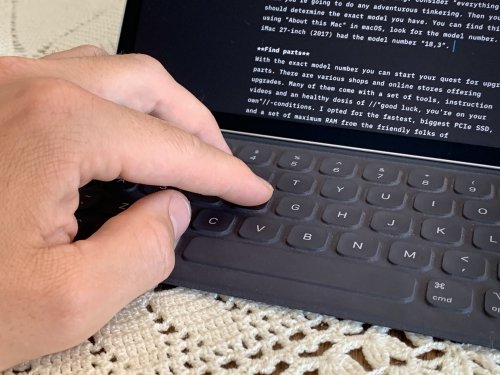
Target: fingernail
x,y
180,214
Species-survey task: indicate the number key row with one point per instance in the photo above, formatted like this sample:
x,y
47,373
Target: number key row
x,y
386,174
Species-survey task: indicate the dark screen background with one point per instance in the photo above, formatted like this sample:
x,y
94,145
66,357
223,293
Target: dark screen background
x,y
210,46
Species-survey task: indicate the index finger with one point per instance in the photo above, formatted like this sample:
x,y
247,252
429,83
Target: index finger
x,y
111,141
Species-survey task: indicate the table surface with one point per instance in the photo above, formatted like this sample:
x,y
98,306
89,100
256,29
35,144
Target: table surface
x,y
180,331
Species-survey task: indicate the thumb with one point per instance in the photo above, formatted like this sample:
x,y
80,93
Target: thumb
x,y
129,255
134,251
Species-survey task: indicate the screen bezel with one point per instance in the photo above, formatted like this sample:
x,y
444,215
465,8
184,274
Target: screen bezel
x,y
339,137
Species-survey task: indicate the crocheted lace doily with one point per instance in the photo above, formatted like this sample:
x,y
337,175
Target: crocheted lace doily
x,y
37,27
181,331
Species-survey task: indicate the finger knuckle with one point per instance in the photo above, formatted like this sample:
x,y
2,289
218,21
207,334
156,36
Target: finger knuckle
x,y
46,109
146,61
149,65
54,110
51,110
49,96
91,50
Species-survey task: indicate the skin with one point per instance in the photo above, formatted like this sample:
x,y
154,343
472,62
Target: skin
x,y
81,115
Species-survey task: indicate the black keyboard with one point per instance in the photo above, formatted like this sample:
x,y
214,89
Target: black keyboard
x,y
408,244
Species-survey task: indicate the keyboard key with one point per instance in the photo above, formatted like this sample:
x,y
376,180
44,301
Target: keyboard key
x,y
296,161
410,255
426,180
88,224
492,302
204,199
214,222
487,238
358,246
120,195
150,189
90,195
433,204
464,264
117,204
340,190
232,146
122,186
260,229
259,208
263,173
391,223
482,211
296,208
344,216
386,197
338,167
296,183
307,237
252,155
442,231
449,295
473,186
327,271
382,174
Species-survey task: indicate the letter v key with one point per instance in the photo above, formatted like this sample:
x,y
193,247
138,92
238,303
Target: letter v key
x,y
260,229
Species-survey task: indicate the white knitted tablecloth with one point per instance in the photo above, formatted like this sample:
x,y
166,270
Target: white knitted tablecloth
x,y
180,331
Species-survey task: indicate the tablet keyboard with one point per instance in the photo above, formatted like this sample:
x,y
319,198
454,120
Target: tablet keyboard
x,y
407,244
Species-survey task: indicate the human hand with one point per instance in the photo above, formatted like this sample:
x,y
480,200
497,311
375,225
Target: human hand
x,y
71,118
